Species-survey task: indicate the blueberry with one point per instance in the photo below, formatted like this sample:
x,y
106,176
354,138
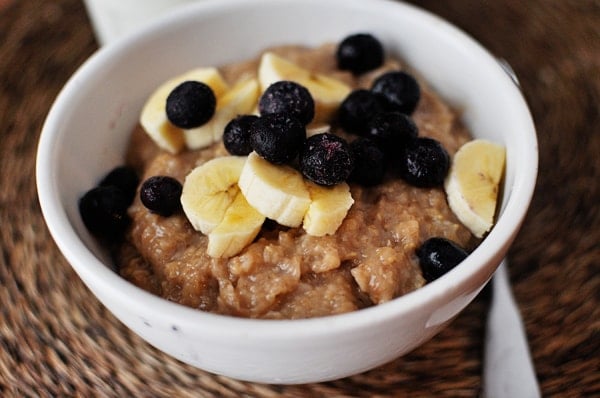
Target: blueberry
x,y
191,104
288,97
392,130
277,137
326,159
400,90
236,136
359,53
103,210
123,177
424,163
161,195
357,109
438,256
369,162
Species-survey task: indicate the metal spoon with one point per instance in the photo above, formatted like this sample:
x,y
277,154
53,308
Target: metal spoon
x,y
508,370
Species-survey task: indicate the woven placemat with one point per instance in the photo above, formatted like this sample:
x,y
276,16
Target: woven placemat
x,y
56,339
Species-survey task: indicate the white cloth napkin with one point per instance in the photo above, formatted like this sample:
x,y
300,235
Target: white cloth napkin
x,y
508,368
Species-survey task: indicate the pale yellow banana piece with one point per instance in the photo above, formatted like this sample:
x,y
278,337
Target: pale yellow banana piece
x,y
154,117
472,184
317,128
238,228
276,191
328,208
209,190
240,99
327,92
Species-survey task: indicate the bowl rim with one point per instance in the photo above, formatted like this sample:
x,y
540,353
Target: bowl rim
x,y
89,267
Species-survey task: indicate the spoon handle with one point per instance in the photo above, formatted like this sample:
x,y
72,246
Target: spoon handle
x,y
508,368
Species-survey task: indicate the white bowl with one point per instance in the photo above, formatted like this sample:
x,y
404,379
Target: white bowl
x,y
86,132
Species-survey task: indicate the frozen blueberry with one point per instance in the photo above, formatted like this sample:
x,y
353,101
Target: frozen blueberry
x,y
123,177
103,210
400,90
369,162
191,104
424,163
326,159
277,137
392,130
438,256
360,52
236,136
288,97
357,109
161,195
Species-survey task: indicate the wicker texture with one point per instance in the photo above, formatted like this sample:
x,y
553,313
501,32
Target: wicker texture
x,y
56,339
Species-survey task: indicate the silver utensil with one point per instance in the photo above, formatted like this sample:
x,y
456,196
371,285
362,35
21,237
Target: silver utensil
x,y
508,370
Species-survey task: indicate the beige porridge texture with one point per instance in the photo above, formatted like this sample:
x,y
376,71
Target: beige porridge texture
x,y
286,273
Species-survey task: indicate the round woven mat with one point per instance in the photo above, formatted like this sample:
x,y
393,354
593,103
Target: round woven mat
x,y
56,339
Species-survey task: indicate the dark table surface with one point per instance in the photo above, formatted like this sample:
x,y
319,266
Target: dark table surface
x,y
56,339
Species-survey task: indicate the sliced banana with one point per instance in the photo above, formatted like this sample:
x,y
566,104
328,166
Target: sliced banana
x,y
327,92
314,129
328,208
209,190
276,191
473,182
154,118
238,228
240,99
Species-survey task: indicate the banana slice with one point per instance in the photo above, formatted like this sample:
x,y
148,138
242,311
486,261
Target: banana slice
x,y
240,99
319,128
238,228
276,191
472,184
328,208
154,117
209,190
327,92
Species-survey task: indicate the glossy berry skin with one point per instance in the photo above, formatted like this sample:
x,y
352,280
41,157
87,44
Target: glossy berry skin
x,y
357,109
161,195
424,163
103,210
277,137
369,162
392,130
191,104
359,53
399,89
288,97
326,159
123,177
236,136
438,256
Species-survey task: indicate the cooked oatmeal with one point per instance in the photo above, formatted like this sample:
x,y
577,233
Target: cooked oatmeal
x,y
286,273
